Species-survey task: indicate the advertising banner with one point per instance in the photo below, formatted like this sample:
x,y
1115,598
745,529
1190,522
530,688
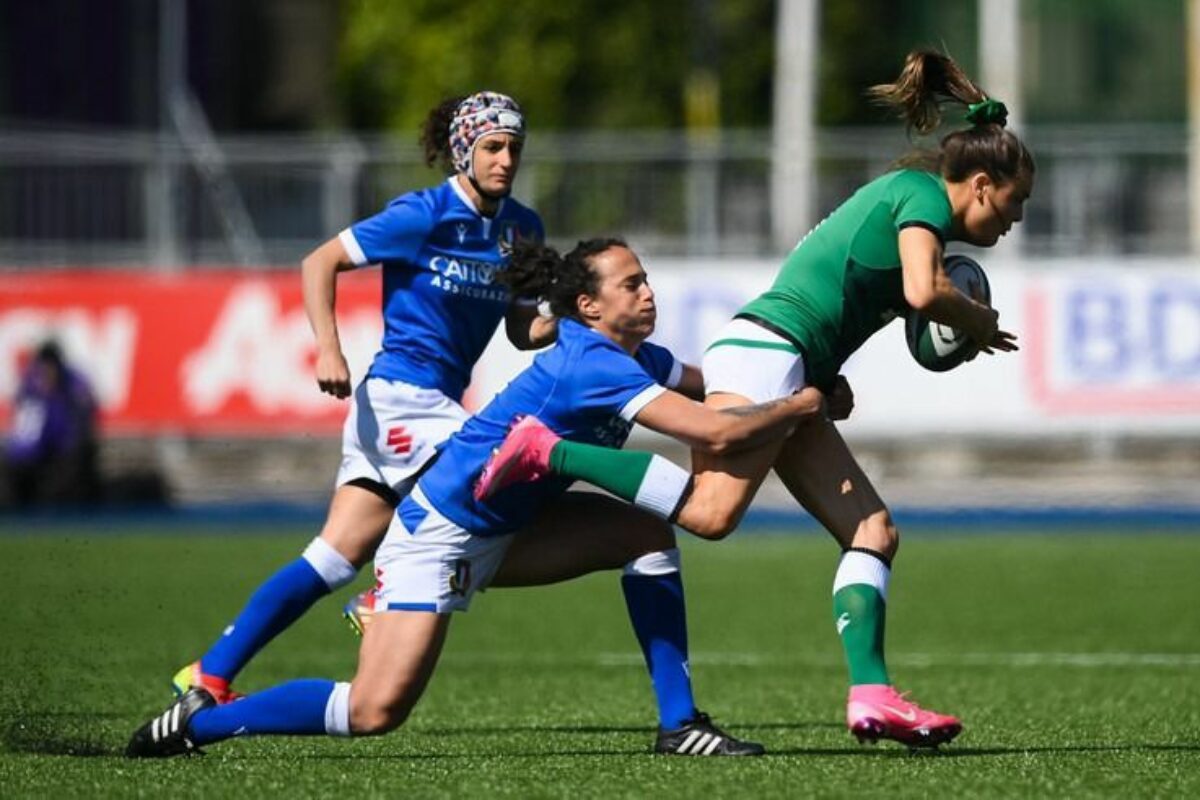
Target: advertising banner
x,y
1110,347
1104,347
197,352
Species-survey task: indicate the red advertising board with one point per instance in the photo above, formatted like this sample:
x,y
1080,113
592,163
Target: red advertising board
x,y
196,352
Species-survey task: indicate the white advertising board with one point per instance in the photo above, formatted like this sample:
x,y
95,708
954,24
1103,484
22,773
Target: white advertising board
x,y
1106,346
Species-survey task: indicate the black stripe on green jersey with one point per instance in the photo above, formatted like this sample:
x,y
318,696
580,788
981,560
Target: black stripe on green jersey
x,y
773,328
917,223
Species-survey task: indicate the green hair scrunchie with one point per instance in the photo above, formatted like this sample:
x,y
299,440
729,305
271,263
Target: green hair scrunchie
x,y
987,111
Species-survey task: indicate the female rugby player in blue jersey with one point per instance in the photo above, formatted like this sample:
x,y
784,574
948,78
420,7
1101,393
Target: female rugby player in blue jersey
x,y
443,545
441,250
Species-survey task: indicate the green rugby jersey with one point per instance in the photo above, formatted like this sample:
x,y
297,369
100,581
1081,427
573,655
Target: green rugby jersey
x,y
842,282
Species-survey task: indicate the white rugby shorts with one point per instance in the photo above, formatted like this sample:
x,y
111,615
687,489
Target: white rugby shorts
x,y
749,360
392,429
428,563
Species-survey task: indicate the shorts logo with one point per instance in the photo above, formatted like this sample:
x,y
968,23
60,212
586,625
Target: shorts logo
x,y
460,581
400,440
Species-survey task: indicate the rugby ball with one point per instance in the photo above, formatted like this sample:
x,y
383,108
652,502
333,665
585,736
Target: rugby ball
x,y
939,347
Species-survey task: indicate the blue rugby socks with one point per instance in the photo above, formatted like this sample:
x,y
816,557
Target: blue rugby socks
x,y
279,602
300,708
657,611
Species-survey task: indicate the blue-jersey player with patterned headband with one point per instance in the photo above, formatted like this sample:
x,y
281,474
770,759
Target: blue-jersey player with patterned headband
x,y
440,250
443,545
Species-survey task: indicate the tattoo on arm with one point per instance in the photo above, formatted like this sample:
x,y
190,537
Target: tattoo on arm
x,y
756,410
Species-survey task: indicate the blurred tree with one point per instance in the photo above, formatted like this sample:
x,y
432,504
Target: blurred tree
x,y
746,43
572,63
1104,60
864,43
599,64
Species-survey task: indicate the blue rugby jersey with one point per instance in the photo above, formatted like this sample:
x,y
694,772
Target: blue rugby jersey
x,y
585,388
441,302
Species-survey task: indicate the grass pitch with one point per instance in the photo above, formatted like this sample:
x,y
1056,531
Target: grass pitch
x,y
1074,661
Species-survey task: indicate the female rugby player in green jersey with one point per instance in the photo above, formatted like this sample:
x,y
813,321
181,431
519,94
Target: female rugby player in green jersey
x,y
876,257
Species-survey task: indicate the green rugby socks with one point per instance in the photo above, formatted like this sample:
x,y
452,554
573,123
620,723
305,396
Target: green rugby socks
x,y
647,480
859,612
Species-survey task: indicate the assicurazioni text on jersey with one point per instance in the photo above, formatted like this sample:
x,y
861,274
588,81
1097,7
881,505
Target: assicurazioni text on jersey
x,y
441,301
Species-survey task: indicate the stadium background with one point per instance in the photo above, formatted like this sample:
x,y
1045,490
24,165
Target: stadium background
x,y
160,183
165,165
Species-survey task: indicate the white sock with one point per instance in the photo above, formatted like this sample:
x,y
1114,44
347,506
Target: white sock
x,y
859,567
337,711
662,487
331,565
663,562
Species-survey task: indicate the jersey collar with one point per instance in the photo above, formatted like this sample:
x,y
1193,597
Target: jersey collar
x,y
579,329
466,199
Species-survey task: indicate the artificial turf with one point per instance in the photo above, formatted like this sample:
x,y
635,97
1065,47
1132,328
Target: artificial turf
x,y
1073,659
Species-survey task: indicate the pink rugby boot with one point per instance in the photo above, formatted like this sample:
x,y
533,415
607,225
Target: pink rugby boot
x,y
524,456
877,711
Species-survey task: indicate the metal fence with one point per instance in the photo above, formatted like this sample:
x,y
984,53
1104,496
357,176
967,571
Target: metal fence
x,y
87,198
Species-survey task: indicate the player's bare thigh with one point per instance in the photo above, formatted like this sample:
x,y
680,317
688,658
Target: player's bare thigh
x,y
581,533
357,521
399,652
723,486
819,470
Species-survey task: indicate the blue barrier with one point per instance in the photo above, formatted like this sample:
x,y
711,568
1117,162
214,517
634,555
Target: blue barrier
x,y
270,516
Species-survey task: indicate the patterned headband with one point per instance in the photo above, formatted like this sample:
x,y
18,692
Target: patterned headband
x,y
481,114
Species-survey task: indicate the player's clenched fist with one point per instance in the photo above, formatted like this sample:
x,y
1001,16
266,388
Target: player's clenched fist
x,y
333,373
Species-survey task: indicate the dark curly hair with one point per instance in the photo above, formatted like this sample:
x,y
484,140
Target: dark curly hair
x,y
538,272
435,133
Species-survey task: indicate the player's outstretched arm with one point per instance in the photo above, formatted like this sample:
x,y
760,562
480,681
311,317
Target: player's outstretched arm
x,y
648,480
729,430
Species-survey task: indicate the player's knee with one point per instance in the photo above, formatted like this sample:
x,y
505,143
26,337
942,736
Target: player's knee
x,y
714,523
355,546
377,715
878,532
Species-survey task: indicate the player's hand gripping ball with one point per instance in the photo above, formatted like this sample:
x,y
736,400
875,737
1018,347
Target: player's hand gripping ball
x,y
939,347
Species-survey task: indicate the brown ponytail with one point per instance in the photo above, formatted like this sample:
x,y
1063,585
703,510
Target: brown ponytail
x,y
930,81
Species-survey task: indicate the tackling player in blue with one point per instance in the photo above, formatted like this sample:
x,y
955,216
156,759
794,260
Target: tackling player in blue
x,y
443,545
441,250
